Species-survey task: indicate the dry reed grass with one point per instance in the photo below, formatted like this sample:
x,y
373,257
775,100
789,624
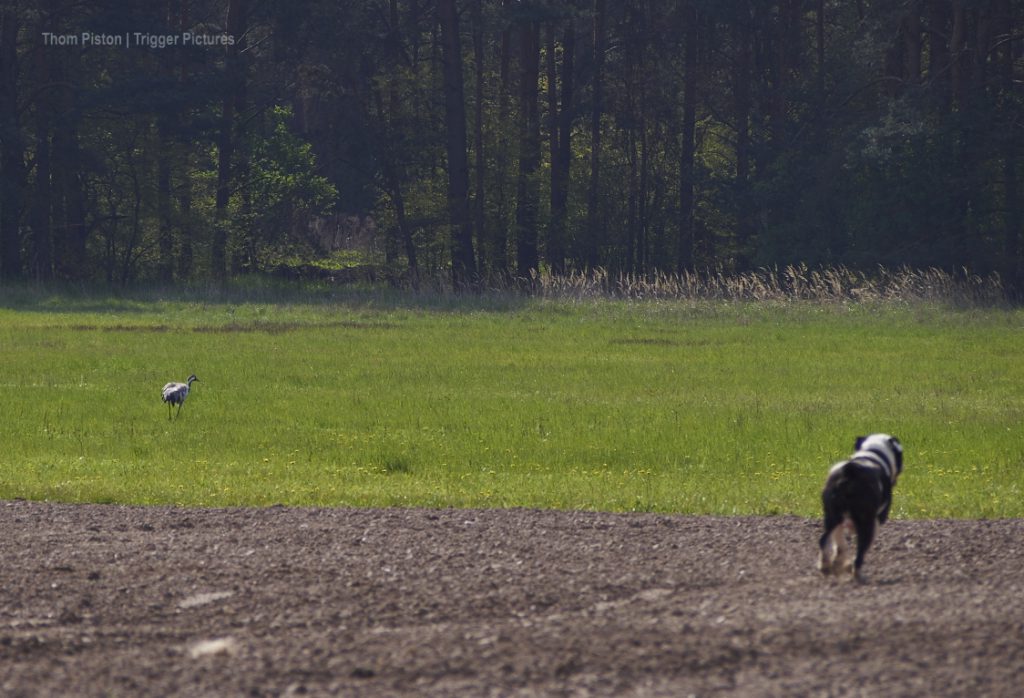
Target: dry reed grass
x,y
792,283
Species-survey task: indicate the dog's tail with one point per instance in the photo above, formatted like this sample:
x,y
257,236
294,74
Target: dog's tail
x,y
850,482
837,495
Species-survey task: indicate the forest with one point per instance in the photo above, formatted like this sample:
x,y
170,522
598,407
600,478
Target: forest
x,y
465,140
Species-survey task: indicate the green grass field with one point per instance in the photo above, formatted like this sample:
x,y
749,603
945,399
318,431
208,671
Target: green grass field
x,y
378,399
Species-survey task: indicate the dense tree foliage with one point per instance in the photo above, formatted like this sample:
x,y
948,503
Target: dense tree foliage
x,y
466,138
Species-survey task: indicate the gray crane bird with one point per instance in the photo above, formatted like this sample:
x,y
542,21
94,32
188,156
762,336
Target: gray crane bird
x,y
175,394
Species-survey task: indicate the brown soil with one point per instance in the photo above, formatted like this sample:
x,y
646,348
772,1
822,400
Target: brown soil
x,y
112,600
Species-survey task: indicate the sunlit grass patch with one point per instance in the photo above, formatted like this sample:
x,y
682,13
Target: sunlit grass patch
x,y
694,406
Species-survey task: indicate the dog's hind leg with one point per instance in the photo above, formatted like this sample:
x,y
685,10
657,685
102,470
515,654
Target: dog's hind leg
x,y
865,534
843,561
827,544
827,551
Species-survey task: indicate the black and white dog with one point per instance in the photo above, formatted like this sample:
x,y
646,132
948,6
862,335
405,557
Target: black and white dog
x,y
858,493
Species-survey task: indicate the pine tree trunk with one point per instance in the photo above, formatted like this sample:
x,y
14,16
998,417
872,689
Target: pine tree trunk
x,y
499,240
463,261
12,165
42,194
562,157
480,168
165,263
1013,265
744,216
185,252
594,235
552,248
685,254
527,187
958,73
226,143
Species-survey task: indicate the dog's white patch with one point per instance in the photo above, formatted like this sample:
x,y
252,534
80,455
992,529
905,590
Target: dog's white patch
x,y
880,450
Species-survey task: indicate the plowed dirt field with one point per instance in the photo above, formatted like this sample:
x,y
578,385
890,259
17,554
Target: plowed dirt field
x,y
158,601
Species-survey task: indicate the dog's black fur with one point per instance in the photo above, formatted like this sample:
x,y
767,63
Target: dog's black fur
x,y
858,492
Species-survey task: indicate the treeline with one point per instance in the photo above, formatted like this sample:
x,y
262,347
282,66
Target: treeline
x,y
184,139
